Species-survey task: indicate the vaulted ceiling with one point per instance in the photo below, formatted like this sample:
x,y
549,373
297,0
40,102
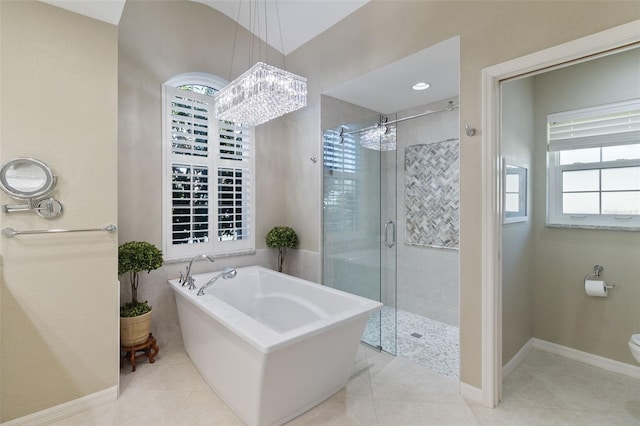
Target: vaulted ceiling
x,y
292,23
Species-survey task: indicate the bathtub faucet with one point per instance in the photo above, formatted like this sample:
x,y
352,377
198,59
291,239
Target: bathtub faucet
x,y
188,279
225,274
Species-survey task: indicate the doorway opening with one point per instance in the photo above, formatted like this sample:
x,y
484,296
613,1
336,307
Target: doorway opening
x,y
493,212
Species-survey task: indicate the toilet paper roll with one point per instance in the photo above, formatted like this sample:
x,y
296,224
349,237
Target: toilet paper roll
x,y
596,288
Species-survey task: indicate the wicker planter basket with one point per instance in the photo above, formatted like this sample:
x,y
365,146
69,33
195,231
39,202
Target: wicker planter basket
x,y
135,330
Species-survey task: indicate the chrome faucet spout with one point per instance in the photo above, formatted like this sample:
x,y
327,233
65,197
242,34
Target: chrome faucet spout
x,y
184,280
225,274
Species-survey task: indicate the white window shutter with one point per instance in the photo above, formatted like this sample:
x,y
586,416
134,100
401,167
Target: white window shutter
x,y
208,181
234,221
188,126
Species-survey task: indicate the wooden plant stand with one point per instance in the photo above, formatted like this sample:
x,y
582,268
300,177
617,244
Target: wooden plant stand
x,y
148,349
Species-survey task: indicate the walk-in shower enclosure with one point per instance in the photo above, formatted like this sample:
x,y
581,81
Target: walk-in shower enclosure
x,y
391,220
359,231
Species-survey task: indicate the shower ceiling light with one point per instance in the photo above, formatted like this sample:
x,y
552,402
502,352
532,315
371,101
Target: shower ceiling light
x,y
379,138
262,93
421,86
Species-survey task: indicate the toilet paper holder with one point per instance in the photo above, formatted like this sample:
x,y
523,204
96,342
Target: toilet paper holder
x,y
597,270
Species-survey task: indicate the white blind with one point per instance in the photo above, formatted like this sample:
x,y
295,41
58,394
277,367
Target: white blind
x,y
190,204
339,152
233,204
234,191
190,122
605,125
234,161
234,142
341,200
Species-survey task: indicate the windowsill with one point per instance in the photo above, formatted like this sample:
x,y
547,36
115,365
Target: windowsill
x,y
600,227
214,256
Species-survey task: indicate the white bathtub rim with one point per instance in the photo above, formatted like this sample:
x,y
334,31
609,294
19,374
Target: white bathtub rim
x,y
263,338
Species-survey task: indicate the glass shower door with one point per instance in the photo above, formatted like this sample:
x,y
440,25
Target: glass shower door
x,y
359,223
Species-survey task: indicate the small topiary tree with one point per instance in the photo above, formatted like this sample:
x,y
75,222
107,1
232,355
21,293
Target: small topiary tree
x,y
133,258
282,238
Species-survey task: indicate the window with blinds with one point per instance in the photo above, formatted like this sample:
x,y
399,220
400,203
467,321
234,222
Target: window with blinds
x,y
208,180
594,166
341,182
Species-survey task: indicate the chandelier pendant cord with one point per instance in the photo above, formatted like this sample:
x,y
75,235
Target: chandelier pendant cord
x,y
266,36
235,42
284,57
254,24
255,29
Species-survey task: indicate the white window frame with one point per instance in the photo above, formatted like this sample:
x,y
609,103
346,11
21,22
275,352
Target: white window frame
x,y
213,247
631,135
522,171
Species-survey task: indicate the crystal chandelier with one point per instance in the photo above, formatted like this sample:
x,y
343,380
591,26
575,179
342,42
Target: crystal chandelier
x,y
379,137
262,93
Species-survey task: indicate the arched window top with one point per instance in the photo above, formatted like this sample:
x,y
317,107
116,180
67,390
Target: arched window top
x,y
197,82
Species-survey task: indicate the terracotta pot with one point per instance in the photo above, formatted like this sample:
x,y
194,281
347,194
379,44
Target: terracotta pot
x,y
135,330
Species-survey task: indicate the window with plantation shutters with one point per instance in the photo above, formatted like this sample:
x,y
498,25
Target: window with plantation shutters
x,y
594,166
208,176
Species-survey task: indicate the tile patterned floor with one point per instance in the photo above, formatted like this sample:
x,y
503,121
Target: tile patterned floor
x,y
426,342
544,389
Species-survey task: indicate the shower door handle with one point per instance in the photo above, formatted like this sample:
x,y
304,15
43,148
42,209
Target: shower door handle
x,y
386,234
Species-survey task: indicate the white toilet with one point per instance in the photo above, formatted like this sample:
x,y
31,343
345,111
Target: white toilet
x,y
634,345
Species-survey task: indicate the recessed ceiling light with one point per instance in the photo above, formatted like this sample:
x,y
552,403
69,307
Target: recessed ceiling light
x,y
421,86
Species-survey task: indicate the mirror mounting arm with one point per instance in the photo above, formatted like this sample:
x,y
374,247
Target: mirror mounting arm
x,y
19,207
47,208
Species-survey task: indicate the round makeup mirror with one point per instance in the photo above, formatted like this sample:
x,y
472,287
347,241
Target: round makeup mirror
x,y
26,178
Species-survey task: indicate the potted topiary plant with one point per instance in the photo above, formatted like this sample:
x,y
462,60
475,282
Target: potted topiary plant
x,y
282,238
135,317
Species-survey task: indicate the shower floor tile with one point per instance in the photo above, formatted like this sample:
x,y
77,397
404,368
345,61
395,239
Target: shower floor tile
x,y
432,344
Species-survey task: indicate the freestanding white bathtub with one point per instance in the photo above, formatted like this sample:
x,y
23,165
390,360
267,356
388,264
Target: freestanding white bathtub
x,y
270,345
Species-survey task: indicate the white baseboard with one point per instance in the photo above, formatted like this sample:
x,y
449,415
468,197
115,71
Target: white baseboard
x,y
574,354
517,358
587,358
67,409
471,393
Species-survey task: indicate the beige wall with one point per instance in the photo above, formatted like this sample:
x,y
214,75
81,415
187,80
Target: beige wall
x,y
384,31
562,312
518,254
59,292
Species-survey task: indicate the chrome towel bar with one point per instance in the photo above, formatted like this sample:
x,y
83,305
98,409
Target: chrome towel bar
x,y
10,232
